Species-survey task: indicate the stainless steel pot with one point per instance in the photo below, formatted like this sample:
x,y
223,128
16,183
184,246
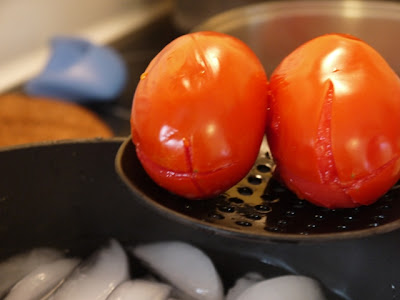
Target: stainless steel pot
x,y
189,13
274,29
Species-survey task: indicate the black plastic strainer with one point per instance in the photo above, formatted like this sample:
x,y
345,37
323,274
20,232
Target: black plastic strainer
x,y
259,207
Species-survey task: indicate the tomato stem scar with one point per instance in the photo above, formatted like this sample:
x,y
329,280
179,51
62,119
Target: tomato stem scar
x,y
143,76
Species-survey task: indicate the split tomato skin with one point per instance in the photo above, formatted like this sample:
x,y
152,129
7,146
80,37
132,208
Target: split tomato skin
x,y
199,114
333,122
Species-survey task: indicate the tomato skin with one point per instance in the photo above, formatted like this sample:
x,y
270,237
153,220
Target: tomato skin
x,y
333,122
199,114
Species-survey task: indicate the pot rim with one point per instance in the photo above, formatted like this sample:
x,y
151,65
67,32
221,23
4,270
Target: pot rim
x,y
260,12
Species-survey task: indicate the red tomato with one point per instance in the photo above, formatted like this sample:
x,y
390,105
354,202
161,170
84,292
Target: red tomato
x,y
199,114
334,122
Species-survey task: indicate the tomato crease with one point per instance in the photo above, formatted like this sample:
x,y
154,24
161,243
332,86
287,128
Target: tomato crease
x,y
189,162
326,162
191,174
357,183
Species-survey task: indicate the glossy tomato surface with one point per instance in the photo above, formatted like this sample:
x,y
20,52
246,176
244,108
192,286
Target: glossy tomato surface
x,y
334,122
199,114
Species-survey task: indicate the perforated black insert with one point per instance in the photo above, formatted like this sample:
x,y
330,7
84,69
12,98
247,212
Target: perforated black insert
x,y
260,206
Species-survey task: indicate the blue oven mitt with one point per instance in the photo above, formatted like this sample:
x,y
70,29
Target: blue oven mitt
x,y
80,71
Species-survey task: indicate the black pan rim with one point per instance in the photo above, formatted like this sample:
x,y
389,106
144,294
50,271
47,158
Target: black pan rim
x,y
235,233
52,143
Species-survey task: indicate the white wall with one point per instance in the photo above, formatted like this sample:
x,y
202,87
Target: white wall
x,y
26,27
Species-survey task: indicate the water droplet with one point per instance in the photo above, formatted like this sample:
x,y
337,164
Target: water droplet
x,y
246,191
216,216
385,206
263,208
389,196
274,229
379,217
253,216
319,217
348,218
394,291
226,208
298,203
243,223
282,222
290,213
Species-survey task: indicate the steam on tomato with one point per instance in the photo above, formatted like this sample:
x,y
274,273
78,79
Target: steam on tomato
x,y
199,114
334,122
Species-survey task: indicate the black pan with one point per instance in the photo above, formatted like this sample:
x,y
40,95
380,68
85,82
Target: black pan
x,y
259,207
67,195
